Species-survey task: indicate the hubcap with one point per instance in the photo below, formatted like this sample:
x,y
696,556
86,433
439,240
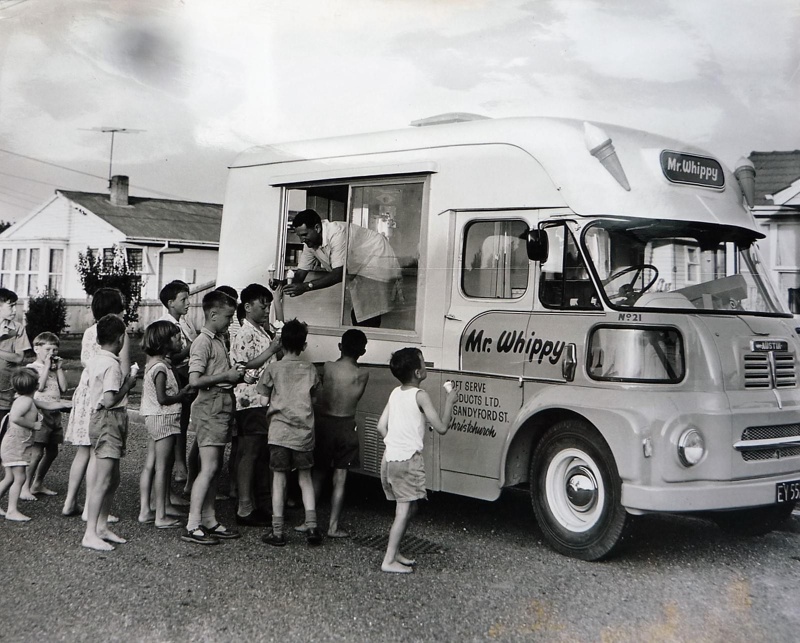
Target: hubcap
x,y
581,488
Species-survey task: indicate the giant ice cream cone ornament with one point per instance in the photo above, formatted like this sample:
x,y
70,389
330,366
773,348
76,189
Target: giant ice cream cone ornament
x,y
600,146
745,173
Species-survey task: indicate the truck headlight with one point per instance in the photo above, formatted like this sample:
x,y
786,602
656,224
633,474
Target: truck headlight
x,y
691,447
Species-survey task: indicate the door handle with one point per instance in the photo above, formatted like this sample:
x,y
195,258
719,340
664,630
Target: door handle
x,y
570,362
452,317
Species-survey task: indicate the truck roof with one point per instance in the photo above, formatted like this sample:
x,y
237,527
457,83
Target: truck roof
x,y
559,145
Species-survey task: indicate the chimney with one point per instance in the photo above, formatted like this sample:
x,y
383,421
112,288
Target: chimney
x,y
119,190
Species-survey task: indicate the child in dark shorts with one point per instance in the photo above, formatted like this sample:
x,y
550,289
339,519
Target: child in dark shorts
x,y
291,383
212,416
107,391
402,425
52,383
343,384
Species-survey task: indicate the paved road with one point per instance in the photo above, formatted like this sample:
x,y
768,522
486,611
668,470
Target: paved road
x,y
483,574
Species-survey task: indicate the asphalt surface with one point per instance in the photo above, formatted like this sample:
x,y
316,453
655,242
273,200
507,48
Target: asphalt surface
x,y
483,574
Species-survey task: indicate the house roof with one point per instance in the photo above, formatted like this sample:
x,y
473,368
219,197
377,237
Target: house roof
x,y
157,219
775,171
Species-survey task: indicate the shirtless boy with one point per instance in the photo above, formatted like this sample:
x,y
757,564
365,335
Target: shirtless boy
x,y
343,384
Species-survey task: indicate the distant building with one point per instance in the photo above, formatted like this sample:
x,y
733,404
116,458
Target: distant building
x,y
162,240
777,211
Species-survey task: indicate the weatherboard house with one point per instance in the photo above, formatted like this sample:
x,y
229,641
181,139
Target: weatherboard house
x,y
160,239
776,208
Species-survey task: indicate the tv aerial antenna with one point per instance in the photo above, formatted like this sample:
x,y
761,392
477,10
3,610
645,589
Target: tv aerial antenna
x,y
113,131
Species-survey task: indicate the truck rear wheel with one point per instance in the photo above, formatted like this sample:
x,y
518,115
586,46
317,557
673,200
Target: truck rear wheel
x,y
757,521
576,492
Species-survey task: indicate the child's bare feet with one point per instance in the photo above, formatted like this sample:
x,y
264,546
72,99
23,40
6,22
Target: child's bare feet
x,y
27,495
2,513
396,568
16,516
146,518
168,524
111,537
74,511
40,488
96,543
405,561
111,519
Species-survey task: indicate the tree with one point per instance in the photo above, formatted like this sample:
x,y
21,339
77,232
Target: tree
x,y
96,273
46,312
5,225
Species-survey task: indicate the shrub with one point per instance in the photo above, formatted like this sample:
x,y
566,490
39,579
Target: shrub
x,y
95,275
46,312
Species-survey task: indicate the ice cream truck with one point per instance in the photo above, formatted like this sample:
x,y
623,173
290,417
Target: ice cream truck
x,y
594,292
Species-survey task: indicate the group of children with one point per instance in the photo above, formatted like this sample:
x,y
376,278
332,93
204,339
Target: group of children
x,y
251,386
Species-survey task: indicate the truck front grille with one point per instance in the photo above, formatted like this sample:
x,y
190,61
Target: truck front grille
x,y
769,370
769,442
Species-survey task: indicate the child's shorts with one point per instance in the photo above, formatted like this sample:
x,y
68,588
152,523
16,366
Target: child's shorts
x,y
162,426
252,421
15,450
336,441
108,432
212,415
284,459
50,430
404,481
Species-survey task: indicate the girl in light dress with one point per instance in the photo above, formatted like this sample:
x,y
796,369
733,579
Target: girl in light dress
x,y
104,302
161,408
23,419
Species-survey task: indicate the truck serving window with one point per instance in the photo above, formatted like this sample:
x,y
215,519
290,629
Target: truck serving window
x,y
494,261
369,234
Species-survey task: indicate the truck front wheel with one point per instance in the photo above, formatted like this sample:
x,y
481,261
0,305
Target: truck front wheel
x,y
576,492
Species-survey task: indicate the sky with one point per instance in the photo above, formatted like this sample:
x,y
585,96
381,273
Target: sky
x,y
203,80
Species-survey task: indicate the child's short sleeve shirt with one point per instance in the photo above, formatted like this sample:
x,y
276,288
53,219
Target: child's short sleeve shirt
x,y
104,374
291,412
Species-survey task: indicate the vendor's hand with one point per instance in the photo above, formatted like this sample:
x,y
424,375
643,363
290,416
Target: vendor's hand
x,y
293,290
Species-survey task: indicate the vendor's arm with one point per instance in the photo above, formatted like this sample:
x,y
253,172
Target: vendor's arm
x,y
299,286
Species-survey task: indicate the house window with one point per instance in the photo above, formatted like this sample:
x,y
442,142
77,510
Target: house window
x,y
5,268
371,231
135,259
108,259
494,260
56,269
33,272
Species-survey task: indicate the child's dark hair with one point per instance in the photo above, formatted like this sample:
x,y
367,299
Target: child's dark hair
x,y
7,295
171,291
107,301
354,343
256,292
158,336
293,336
404,362
109,329
230,291
46,338
217,299
25,381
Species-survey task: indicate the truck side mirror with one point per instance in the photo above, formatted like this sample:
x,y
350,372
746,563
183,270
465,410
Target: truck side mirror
x,y
537,245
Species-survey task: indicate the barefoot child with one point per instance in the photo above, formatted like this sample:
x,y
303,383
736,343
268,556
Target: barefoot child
x,y
15,450
161,408
108,389
105,301
52,383
343,384
402,425
291,383
212,414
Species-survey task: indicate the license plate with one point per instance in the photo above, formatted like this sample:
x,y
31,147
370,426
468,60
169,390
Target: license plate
x,y
787,491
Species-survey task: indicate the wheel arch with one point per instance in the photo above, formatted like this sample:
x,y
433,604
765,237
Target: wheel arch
x,y
515,468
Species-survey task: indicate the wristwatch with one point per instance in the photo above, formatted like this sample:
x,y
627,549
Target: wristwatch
x,y
310,285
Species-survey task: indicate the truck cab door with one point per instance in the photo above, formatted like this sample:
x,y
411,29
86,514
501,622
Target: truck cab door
x,y
491,296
